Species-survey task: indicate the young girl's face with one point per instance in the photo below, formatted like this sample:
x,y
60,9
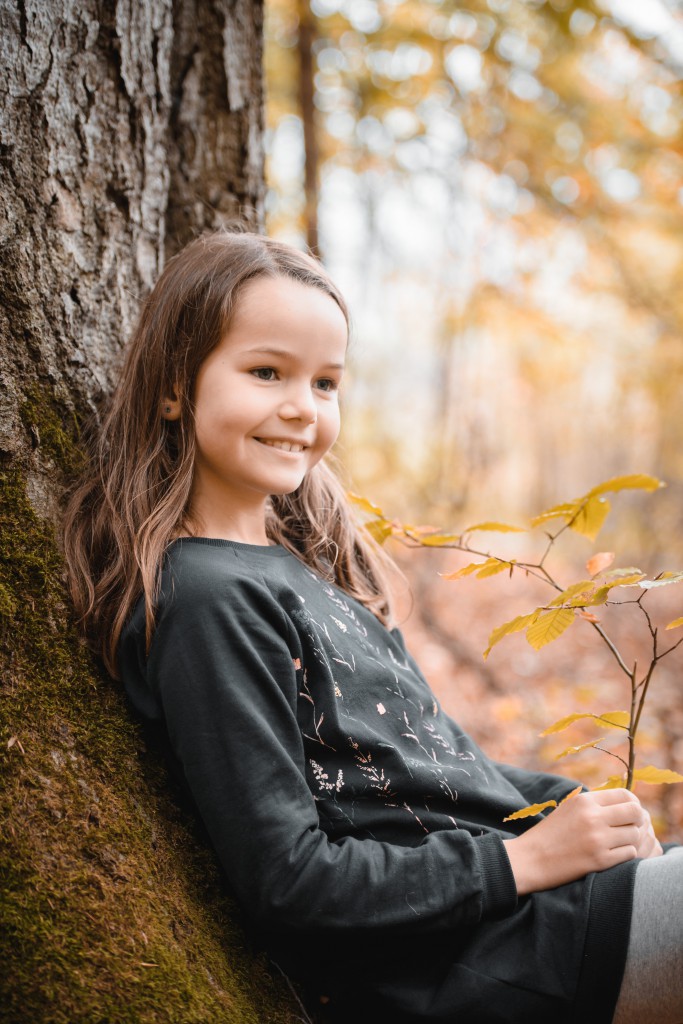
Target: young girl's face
x,y
266,403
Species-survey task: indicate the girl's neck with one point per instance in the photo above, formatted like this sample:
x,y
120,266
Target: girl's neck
x,y
244,528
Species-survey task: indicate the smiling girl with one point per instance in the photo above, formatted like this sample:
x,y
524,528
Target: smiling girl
x,y
216,568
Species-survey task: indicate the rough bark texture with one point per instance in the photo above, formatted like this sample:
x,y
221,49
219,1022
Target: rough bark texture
x,y
125,128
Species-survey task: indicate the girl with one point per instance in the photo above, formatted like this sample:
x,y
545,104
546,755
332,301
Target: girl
x,y
216,568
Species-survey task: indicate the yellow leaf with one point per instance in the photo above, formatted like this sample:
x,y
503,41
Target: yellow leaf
x,y
380,529
625,581
437,540
549,627
654,776
531,810
564,511
675,624
663,580
513,626
600,562
588,616
590,518
365,505
570,796
492,567
577,750
632,482
586,587
495,528
613,782
617,719
629,571
466,570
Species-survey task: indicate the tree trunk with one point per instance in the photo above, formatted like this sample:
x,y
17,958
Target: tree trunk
x,y
305,40
126,126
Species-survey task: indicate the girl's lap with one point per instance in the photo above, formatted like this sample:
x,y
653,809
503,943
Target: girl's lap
x,y
652,988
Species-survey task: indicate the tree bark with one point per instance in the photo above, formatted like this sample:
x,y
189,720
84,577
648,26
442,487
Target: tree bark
x,y
126,126
305,40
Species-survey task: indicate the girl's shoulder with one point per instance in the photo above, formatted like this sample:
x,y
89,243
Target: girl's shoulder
x,y
205,569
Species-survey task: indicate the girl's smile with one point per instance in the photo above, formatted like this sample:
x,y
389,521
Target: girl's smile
x,y
266,404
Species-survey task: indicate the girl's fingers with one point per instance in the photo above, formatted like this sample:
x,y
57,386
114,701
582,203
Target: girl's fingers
x,y
624,835
627,813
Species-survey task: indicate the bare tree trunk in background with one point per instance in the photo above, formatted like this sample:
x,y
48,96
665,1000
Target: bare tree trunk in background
x,y
126,126
306,38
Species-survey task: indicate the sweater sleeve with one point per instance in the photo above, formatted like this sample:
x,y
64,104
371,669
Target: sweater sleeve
x,y
221,669
537,787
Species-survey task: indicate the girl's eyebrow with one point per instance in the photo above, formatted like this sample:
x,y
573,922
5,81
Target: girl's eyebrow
x,y
283,354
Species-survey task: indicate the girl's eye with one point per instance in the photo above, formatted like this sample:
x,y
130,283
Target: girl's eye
x,y
264,372
326,384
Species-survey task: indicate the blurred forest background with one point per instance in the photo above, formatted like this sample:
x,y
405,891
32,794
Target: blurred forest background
x,y
497,186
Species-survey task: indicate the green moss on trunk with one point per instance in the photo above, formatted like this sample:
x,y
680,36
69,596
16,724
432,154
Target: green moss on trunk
x,y
111,910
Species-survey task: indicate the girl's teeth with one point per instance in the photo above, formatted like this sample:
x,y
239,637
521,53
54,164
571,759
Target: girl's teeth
x,y
285,446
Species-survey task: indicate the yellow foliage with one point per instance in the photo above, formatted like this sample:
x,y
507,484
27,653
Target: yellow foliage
x,y
579,748
615,719
531,810
654,776
549,626
630,482
495,528
613,782
590,518
675,624
513,626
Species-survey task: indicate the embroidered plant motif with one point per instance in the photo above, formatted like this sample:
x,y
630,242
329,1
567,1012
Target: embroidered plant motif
x,y
375,778
306,694
321,777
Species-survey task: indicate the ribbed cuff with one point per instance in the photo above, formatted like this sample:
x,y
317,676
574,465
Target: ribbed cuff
x,y
500,890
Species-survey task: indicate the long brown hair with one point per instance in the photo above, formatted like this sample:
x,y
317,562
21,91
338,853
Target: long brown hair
x,y
134,496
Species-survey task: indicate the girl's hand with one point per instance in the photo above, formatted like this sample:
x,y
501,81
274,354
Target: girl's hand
x,y
590,832
649,845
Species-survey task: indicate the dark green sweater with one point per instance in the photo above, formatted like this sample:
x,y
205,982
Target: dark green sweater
x,y
360,828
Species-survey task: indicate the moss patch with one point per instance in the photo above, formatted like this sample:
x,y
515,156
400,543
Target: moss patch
x,y
111,910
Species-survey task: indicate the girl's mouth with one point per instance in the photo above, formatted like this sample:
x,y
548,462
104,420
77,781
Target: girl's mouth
x,y
283,446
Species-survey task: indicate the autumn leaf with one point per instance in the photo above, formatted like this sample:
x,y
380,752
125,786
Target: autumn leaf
x,y
531,810
615,719
590,518
598,563
663,580
654,776
495,528
491,567
613,782
675,624
579,748
631,482
583,587
515,625
437,540
549,627
379,529
570,796
564,511
365,505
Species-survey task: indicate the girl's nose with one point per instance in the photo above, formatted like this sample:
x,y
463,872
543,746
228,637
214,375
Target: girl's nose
x,y
300,404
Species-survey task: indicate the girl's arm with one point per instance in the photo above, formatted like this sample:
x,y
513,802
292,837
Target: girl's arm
x,y
221,670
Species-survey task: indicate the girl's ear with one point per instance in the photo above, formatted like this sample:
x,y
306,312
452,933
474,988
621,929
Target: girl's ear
x,y
170,407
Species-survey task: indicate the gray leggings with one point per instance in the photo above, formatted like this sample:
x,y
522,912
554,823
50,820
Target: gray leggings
x,y
652,989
